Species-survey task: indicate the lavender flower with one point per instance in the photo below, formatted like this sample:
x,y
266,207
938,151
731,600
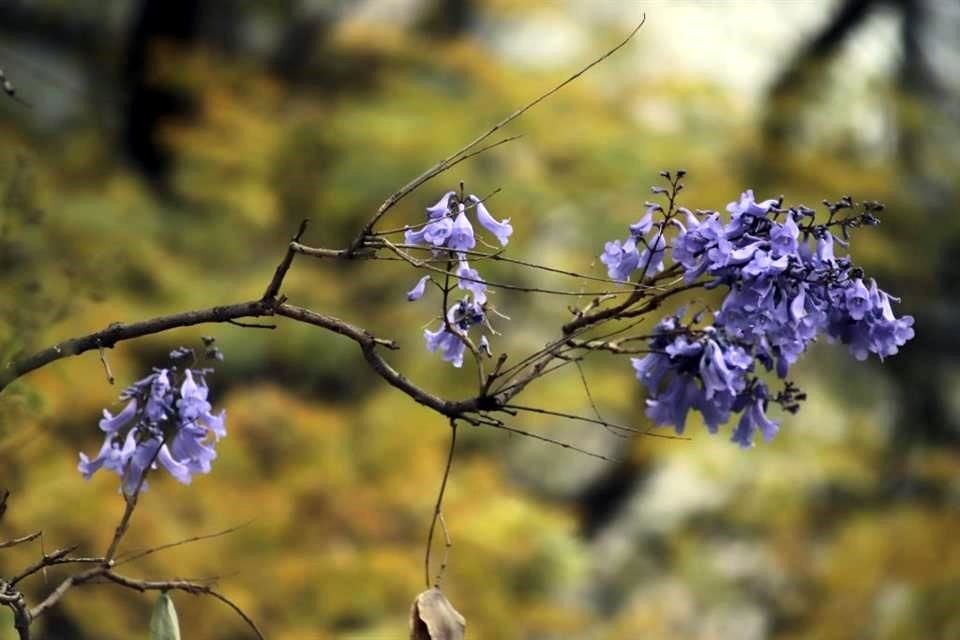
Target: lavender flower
x,y
461,236
785,287
167,421
442,208
450,338
621,259
469,279
448,229
418,290
448,226
502,229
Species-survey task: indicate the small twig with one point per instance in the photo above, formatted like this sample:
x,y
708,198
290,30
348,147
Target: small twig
x,y
447,544
586,389
565,445
492,376
106,365
146,552
57,594
16,541
281,271
464,152
423,264
45,560
604,423
439,505
130,505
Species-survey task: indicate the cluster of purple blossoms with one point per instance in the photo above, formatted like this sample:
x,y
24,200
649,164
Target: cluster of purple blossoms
x,y
448,231
785,287
167,421
623,258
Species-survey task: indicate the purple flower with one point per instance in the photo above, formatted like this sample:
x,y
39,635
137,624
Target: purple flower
x,y
501,229
762,264
783,238
109,456
180,471
825,249
621,259
671,406
470,280
192,445
433,233
442,208
753,419
455,234
159,399
745,212
169,405
111,424
418,290
642,226
652,257
716,375
857,299
194,408
450,345
461,235
782,293
450,338
651,368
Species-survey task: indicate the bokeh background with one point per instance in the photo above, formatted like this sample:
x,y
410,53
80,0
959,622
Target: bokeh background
x,y
170,148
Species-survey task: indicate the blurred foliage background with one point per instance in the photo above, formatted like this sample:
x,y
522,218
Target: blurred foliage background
x,y
170,148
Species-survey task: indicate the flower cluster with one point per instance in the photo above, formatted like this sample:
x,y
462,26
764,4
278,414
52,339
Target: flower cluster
x,y
448,231
623,258
167,420
785,287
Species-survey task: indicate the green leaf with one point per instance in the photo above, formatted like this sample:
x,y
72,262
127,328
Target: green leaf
x,y
164,624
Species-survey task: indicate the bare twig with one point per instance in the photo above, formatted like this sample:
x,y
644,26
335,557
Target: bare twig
x,y
170,545
425,264
464,152
439,505
447,544
536,436
281,271
604,423
106,366
16,541
56,557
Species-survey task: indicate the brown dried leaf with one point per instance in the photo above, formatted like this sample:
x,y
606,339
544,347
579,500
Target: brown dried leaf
x,y
432,617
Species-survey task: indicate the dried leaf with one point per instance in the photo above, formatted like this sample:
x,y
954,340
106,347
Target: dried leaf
x,y
432,617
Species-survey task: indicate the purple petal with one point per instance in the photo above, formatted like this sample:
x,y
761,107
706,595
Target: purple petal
x,y
502,229
441,208
111,424
418,290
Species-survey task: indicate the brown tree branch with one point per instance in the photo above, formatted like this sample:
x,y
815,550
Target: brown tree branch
x,y
119,332
193,588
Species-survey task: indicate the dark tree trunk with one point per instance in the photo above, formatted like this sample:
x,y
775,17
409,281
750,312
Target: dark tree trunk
x,y
149,104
